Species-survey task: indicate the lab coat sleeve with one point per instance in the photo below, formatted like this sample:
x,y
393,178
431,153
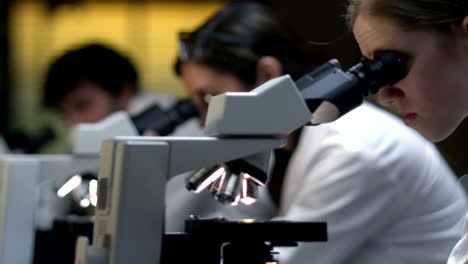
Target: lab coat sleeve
x,y
459,254
347,188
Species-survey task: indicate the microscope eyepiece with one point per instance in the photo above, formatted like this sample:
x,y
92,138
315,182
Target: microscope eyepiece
x,y
162,121
386,69
329,92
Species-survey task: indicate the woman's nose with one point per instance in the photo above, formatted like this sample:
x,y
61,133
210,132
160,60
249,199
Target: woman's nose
x,y
389,95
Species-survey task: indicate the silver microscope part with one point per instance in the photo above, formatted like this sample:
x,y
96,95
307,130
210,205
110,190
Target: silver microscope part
x,y
229,189
200,179
216,185
81,187
249,190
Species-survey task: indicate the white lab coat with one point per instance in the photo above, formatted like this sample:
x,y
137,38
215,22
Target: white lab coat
x,y
385,193
459,253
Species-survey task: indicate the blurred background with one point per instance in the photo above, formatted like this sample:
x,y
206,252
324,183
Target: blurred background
x,y
33,32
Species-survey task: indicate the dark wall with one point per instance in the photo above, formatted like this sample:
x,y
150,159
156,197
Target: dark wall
x,y
454,148
322,25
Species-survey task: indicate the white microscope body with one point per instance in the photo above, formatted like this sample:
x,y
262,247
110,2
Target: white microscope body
x,y
129,219
27,199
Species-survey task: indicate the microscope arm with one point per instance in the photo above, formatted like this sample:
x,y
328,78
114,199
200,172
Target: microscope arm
x,y
133,172
26,180
21,180
132,179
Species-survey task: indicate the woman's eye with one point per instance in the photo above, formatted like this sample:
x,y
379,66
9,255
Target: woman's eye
x,y
404,58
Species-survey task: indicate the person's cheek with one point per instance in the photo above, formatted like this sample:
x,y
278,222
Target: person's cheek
x,y
93,113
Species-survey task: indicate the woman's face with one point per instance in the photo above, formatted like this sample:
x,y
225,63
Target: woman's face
x,y
433,97
202,82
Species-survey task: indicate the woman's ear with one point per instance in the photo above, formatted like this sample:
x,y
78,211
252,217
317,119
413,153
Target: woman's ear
x,y
268,67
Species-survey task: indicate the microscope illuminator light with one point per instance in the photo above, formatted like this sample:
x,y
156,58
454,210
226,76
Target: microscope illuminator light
x,y
69,186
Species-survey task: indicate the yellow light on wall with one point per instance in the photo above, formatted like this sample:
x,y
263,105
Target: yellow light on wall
x,y
146,31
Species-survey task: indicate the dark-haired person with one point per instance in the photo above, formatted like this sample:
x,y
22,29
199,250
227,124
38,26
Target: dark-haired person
x,y
432,37
385,192
89,82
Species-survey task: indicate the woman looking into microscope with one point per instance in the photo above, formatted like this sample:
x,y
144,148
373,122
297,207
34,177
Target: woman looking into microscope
x,y
385,192
432,38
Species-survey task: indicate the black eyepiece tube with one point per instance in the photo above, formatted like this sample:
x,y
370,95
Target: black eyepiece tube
x,y
330,92
385,69
163,121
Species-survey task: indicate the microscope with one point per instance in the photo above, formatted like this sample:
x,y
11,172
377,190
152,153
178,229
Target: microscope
x,y
29,203
34,188
230,162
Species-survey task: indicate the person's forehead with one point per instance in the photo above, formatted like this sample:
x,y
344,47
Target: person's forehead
x,y
86,91
201,77
195,73
374,34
